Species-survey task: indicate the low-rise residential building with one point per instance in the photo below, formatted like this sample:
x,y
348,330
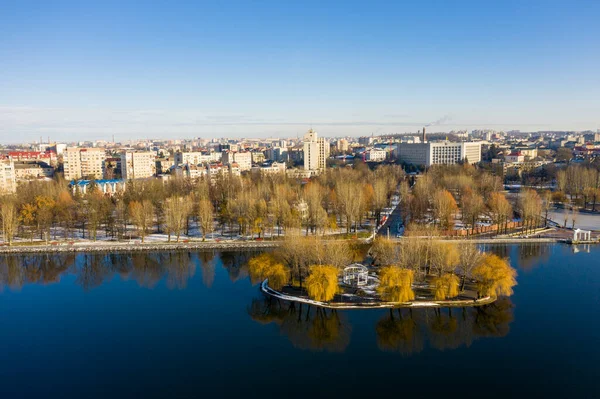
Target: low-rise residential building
x,y
195,171
528,153
32,170
514,157
257,157
375,155
235,169
243,159
48,157
195,157
163,165
269,168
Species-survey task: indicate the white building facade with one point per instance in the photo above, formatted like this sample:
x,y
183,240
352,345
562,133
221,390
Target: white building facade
x,y
83,162
243,159
8,181
439,153
316,152
138,165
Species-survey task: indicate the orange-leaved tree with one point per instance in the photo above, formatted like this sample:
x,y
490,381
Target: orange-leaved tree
x,y
265,266
445,286
495,276
322,282
396,284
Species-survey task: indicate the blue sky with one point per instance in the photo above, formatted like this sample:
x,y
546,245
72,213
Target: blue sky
x,y
77,70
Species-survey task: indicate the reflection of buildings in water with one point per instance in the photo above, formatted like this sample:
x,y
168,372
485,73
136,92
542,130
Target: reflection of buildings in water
x,y
306,327
405,331
580,248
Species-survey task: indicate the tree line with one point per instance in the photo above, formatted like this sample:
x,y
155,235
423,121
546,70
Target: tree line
x,y
248,205
472,195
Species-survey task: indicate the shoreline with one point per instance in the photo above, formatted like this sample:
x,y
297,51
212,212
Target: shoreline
x,y
264,287
137,247
127,246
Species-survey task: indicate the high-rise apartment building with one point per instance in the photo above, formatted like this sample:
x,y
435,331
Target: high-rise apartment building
x,y
342,145
138,164
316,152
8,181
83,162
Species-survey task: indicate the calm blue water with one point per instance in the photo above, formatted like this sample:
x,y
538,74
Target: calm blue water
x,y
192,325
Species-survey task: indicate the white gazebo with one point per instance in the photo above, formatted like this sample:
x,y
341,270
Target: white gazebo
x,y
582,235
356,275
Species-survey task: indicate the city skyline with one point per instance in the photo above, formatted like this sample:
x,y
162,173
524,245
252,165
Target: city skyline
x,y
87,72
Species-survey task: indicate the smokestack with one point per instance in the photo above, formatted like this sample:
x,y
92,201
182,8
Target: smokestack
x,y
424,141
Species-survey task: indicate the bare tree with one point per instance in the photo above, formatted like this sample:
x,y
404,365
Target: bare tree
x,y
177,210
8,214
142,214
205,217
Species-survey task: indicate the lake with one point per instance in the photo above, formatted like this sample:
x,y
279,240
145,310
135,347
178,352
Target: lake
x,y
191,324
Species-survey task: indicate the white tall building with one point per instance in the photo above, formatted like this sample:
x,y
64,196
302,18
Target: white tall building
x,y
83,162
316,152
138,165
8,181
439,153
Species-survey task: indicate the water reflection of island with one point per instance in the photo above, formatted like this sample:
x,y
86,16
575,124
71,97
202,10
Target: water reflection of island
x,y
406,332
400,330
306,327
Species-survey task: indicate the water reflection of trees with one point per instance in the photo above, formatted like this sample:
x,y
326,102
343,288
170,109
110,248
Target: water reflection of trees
x,y
93,269
405,331
306,327
529,255
236,263
532,255
17,271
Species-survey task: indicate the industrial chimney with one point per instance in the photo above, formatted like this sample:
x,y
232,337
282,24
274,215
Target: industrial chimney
x,y
424,141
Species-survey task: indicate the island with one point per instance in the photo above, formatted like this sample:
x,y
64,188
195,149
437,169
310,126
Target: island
x,y
413,273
